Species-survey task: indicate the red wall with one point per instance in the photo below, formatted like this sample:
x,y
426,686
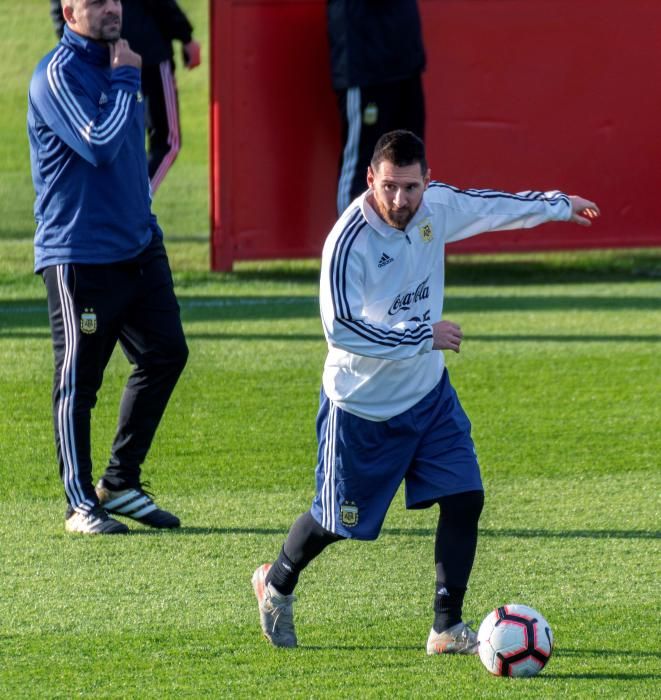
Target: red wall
x,y
521,94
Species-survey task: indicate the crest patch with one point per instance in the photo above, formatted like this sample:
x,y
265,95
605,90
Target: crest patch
x,y
88,321
349,514
371,114
426,232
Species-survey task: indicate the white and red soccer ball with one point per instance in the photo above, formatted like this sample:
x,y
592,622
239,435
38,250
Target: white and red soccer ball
x,y
515,640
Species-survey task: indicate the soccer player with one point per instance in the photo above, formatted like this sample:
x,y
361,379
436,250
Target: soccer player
x,y
388,412
100,252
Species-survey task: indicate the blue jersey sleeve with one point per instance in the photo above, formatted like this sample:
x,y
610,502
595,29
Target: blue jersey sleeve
x,y
94,128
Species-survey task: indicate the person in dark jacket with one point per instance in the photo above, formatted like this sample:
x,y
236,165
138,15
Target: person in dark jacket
x,y
150,27
377,59
99,249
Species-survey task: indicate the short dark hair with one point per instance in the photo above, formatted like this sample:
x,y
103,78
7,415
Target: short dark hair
x,y
400,148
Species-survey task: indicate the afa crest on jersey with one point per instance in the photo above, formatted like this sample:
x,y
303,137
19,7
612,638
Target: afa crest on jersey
x,y
349,514
88,321
426,232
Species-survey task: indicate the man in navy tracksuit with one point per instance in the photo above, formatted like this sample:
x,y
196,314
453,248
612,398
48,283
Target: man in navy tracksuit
x,y
377,58
100,252
150,27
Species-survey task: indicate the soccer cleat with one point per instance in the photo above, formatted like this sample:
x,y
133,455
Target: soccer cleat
x,y
96,522
136,504
275,610
458,639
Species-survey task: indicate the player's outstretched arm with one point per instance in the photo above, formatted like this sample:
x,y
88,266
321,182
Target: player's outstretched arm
x,y
583,211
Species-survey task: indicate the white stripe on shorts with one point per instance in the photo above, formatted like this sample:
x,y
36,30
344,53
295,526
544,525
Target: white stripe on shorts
x,y
328,489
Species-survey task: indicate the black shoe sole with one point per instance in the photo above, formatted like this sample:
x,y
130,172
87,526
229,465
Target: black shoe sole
x,y
171,522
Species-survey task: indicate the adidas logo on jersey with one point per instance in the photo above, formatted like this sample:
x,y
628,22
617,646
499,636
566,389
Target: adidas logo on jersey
x,y
385,260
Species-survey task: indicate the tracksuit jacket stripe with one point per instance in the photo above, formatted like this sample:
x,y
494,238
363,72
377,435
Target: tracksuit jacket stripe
x,y
530,195
98,134
416,337
336,264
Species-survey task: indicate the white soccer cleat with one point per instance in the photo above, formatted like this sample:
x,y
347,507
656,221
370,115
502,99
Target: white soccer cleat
x,y
459,639
275,610
96,522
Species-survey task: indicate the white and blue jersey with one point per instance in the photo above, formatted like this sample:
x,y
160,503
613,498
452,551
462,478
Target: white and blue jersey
x,y
388,413
87,150
382,289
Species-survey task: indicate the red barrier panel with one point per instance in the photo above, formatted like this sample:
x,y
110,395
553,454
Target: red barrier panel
x,y
520,94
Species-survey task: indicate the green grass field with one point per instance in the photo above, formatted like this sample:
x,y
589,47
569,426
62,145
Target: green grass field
x,y
559,372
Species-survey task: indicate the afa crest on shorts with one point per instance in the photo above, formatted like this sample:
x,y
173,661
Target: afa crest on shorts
x,y
349,514
88,322
426,232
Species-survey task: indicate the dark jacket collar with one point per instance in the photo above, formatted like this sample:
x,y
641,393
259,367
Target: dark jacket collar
x,y
92,51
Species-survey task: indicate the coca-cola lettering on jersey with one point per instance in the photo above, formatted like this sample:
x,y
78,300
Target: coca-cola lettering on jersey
x,y
405,301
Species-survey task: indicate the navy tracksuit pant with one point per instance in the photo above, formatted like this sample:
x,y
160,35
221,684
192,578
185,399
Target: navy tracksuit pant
x,y
161,119
366,113
91,307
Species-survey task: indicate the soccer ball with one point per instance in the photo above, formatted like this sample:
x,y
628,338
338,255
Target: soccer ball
x,y
515,640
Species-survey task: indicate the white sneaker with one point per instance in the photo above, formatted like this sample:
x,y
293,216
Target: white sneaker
x,y
96,522
275,610
459,639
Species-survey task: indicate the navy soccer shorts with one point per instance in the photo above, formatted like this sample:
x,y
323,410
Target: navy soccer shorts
x,y
362,463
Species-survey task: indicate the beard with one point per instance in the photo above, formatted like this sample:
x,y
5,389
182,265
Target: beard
x,y
110,29
397,218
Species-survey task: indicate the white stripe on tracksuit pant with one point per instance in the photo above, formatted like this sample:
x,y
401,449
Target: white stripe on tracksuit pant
x,y
91,307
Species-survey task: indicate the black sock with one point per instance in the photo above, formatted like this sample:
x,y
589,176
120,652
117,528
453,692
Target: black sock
x,y
283,574
306,540
456,542
448,603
